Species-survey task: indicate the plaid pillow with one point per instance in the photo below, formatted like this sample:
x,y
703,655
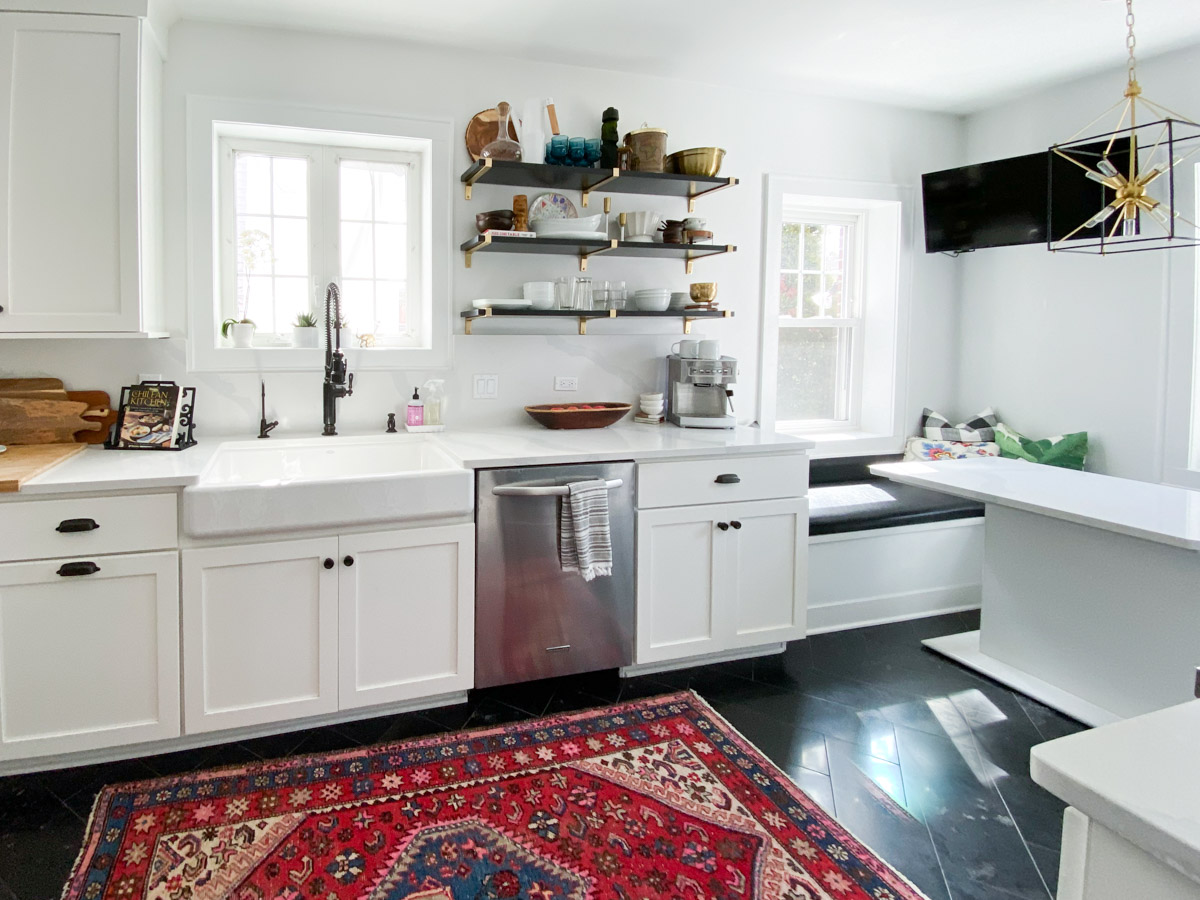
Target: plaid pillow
x,y
980,427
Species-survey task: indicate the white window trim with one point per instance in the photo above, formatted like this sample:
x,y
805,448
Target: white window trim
x,y
880,425
205,116
1180,343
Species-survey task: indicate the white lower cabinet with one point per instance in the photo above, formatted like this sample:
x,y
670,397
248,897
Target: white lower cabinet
x,y
89,653
720,577
297,628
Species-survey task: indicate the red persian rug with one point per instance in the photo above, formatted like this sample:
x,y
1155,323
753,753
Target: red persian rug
x,y
659,798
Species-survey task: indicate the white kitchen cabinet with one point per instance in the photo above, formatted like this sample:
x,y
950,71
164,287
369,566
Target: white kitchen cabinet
x,y
407,614
260,630
88,660
78,174
720,577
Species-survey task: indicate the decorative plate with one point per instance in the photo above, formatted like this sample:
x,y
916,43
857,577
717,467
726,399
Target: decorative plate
x,y
484,128
552,206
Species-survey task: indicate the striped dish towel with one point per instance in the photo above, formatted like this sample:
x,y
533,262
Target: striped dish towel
x,y
584,542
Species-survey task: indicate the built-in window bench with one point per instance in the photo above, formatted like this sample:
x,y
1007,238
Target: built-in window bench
x,y
881,552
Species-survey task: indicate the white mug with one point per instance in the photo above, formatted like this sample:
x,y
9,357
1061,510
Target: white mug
x,y
686,349
709,350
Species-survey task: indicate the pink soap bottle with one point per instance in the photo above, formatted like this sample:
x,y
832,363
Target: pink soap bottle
x,y
416,410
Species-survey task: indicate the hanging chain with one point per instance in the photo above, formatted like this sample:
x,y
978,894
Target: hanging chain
x,y
1130,41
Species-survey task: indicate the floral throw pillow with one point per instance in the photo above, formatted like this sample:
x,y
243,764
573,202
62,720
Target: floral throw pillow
x,y
925,449
1068,451
980,427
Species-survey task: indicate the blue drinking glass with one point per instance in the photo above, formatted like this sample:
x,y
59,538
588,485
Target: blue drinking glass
x,y
557,149
578,150
591,151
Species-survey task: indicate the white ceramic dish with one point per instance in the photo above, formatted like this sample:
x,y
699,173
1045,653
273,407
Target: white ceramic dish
x,y
551,206
652,300
503,304
680,300
575,235
553,227
641,225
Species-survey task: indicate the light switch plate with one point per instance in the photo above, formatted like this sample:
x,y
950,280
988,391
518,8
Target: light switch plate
x,y
566,382
485,387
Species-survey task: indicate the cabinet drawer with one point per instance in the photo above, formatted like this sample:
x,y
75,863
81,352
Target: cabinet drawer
x,y
692,482
45,529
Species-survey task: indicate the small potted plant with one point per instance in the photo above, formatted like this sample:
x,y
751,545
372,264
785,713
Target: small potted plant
x,y
304,331
240,331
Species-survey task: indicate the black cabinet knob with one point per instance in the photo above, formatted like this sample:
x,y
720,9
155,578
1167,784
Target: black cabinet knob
x,y
736,524
724,526
329,563
349,561
728,479
68,570
69,526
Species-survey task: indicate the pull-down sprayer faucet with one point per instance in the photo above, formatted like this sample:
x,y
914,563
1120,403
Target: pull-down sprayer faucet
x,y
337,382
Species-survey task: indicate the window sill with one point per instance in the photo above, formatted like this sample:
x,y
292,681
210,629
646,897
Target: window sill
x,y
846,442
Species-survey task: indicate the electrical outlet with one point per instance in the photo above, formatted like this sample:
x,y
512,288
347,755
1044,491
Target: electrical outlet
x,y
485,387
566,382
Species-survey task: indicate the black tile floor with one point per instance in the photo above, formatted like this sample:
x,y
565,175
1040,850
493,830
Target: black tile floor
x,y
926,762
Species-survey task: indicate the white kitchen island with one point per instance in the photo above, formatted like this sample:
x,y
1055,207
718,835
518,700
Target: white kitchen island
x,y
1091,585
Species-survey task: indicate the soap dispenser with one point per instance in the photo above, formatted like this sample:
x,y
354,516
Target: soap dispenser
x,y
415,414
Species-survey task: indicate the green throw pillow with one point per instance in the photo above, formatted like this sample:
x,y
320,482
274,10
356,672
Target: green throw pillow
x,y
1066,450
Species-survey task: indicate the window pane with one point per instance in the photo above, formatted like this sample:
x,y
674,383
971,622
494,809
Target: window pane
x,y
391,256
291,247
358,305
812,303
355,188
259,302
813,235
290,187
357,251
391,195
255,254
252,184
789,294
390,297
790,257
291,299
810,362
835,248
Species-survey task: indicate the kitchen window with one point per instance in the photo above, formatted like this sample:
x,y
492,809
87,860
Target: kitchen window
x,y
293,207
833,363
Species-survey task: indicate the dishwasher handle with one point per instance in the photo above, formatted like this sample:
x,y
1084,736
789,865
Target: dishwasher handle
x,y
549,490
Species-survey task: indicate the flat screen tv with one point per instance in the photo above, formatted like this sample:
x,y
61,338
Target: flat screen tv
x,y
1007,201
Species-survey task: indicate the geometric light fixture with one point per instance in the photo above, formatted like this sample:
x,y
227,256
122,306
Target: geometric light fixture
x,y
1136,167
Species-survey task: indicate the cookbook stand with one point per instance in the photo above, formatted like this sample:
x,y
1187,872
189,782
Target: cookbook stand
x,y
185,424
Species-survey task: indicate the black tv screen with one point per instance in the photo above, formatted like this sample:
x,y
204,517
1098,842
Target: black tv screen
x,y
1006,202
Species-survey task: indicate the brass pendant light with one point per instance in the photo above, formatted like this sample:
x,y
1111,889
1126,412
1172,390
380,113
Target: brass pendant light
x,y
1137,167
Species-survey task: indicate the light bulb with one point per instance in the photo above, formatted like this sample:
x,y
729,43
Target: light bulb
x,y
1160,217
1107,167
1131,227
1099,217
1097,177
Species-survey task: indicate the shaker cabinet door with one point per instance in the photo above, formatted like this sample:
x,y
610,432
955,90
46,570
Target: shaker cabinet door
x,y
69,252
769,570
259,633
89,653
407,614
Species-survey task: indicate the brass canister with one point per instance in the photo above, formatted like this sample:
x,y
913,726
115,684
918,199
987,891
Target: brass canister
x,y
648,148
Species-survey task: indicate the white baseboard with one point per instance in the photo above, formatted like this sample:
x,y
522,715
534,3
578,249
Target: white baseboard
x,y
723,656
879,610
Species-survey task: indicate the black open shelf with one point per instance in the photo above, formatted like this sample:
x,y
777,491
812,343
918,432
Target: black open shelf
x,y
587,249
584,316
586,180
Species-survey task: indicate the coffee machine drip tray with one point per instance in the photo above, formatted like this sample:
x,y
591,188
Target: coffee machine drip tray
x,y
704,421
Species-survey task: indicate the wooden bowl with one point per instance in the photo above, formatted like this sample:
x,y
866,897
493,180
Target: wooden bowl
x,y
499,219
558,415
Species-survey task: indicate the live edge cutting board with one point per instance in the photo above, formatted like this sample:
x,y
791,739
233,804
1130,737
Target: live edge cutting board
x,y
19,464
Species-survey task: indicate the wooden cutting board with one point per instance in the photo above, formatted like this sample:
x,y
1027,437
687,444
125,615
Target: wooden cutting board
x,y
99,410
33,388
19,464
42,421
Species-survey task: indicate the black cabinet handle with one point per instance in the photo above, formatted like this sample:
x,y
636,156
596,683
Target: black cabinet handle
x,y
736,524
724,526
349,561
71,569
329,563
728,479
69,526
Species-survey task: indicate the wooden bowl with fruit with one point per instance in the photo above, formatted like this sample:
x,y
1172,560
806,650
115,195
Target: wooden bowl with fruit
x,y
578,415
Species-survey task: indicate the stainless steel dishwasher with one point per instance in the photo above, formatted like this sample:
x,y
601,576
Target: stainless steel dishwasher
x,y
533,620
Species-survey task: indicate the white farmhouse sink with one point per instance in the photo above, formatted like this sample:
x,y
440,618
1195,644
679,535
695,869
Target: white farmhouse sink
x,y
283,485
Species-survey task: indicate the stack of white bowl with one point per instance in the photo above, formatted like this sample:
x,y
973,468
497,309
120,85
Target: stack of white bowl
x,y
540,294
680,300
652,299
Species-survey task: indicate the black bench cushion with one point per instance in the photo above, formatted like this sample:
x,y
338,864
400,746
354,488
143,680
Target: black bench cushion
x,y
843,469
878,503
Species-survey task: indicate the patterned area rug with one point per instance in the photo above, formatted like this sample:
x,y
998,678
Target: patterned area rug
x,y
659,799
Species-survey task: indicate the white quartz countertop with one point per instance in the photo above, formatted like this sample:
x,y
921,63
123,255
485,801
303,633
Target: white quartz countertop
x,y
1155,512
96,469
1136,777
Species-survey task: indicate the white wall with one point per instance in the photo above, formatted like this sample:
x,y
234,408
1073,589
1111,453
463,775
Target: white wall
x,y
764,131
1069,342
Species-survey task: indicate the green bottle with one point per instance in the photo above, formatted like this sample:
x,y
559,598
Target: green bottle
x,y
608,139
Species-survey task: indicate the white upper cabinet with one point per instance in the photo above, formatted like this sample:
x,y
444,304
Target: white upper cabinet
x,y
78,143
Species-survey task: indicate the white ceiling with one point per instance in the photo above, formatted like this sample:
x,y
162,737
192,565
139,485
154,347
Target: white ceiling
x,y
948,55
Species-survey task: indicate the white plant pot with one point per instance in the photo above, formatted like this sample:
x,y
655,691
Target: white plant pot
x,y
243,335
306,336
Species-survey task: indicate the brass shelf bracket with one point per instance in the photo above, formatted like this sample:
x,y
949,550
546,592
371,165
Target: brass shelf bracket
x,y
687,265
583,320
484,241
613,174
688,320
693,193
487,314
585,255
483,170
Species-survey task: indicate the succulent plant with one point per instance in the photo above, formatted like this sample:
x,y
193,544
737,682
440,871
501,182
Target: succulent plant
x,y
306,320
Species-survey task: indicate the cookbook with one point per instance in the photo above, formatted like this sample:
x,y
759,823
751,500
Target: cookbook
x,y
150,416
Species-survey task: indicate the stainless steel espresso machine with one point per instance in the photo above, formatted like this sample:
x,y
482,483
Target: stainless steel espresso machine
x,y
699,392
